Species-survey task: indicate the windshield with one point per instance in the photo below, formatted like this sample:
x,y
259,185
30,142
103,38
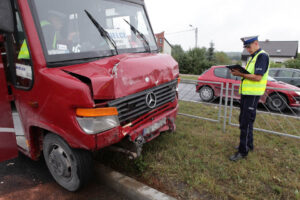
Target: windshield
x,y
67,32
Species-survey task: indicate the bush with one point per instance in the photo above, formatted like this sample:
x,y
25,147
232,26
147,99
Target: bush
x,y
197,60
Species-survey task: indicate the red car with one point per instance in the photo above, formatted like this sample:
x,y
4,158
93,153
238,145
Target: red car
x,y
278,95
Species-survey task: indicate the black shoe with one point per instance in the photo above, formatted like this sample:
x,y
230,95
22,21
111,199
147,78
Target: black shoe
x,y
237,148
237,156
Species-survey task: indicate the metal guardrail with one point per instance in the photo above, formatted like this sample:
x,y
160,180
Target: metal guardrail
x,y
286,127
287,122
188,93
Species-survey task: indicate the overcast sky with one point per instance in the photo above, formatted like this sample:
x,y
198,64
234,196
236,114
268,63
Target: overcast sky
x,y
225,21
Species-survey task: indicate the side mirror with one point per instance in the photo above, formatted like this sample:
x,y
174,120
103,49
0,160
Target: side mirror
x,y
6,17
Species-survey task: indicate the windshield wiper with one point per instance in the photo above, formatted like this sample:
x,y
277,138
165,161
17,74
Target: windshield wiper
x,y
140,36
102,31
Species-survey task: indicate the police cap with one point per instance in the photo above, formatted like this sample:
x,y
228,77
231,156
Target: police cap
x,y
248,40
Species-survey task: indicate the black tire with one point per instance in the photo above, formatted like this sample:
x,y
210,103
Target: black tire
x,y
277,102
206,93
71,168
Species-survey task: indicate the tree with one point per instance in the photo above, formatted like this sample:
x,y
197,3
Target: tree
x,y
222,59
275,65
197,60
177,51
210,52
295,63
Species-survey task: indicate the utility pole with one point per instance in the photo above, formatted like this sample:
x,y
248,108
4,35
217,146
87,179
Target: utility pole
x,y
196,35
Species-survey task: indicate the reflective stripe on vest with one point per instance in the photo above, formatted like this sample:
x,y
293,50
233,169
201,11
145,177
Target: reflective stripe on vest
x,y
249,87
24,53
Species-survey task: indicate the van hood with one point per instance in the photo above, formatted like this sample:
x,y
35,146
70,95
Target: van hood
x,y
126,74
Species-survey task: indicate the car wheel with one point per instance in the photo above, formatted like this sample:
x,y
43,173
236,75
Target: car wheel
x,y
206,93
71,168
277,102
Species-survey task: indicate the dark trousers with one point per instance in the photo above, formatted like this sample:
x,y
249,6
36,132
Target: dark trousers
x,y
247,117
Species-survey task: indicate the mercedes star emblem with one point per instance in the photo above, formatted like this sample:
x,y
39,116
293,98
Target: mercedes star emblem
x,y
151,100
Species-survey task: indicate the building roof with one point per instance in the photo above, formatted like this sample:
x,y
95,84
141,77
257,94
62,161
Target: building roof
x,y
277,48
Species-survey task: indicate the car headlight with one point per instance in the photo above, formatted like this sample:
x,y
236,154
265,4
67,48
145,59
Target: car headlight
x,y
96,120
93,125
297,92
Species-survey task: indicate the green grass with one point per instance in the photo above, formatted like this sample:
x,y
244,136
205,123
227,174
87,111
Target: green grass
x,y
192,163
189,77
278,123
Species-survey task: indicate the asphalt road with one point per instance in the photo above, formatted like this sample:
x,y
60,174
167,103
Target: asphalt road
x,y
187,92
23,178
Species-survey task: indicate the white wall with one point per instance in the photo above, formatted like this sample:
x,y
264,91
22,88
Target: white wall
x,y
167,48
273,59
279,60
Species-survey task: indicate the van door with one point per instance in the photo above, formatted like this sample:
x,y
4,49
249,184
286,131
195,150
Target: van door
x,y
19,73
8,144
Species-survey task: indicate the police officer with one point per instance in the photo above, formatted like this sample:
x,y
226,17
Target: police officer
x,y
252,86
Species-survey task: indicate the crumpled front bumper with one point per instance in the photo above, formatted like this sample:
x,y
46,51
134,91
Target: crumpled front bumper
x,y
136,128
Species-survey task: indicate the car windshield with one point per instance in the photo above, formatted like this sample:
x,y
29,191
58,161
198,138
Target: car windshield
x,y
68,33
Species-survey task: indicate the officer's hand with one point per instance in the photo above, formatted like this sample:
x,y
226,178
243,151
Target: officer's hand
x,y
236,72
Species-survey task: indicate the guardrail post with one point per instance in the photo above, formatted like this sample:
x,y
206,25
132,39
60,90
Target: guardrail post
x,y
220,103
225,108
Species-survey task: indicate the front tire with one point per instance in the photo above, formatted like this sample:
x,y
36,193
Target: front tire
x,y
277,102
71,168
206,93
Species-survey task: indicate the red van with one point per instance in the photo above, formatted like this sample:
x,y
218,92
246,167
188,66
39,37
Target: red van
x,y
77,76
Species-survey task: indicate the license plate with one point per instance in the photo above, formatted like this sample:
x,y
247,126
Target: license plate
x,y
154,126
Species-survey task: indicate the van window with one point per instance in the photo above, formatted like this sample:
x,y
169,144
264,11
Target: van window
x,y
16,55
68,32
23,59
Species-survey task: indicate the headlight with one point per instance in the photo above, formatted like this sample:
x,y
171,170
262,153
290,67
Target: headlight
x,y
93,125
297,93
96,120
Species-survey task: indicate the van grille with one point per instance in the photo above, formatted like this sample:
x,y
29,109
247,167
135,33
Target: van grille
x,y
134,106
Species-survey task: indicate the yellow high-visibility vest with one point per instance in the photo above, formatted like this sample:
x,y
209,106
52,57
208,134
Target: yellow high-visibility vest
x,y
249,87
24,52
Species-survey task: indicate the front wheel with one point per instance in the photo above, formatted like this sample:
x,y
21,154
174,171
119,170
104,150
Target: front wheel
x,y
206,93
277,102
71,168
